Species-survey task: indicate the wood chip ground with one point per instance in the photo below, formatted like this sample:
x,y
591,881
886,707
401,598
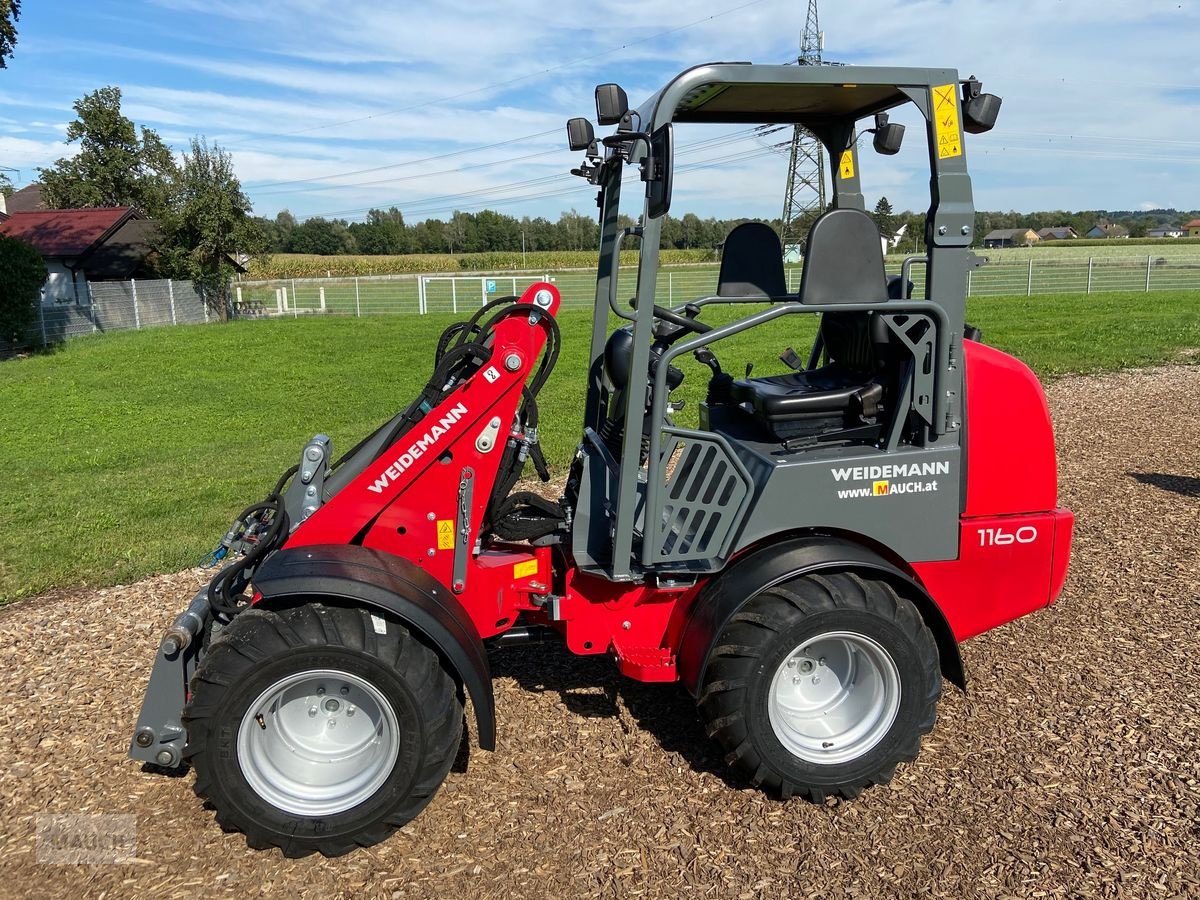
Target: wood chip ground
x,y
1070,769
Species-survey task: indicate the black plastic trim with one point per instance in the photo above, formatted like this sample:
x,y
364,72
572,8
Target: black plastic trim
x,y
767,566
360,575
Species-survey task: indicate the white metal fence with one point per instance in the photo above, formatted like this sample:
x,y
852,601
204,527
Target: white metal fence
x,y
120,306
421,294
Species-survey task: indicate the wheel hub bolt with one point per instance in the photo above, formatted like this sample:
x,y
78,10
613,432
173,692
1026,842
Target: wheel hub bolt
x,y
806,666
350,710
320,690
312,711
345,689
332,723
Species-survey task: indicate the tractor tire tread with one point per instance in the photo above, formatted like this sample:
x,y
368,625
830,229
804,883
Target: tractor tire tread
x,y
722,699
256,635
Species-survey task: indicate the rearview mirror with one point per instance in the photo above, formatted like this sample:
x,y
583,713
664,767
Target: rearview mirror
x,y
979,110
658,188
888,135
580,134
611,104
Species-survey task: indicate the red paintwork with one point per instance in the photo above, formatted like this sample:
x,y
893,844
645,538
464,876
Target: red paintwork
x,y
1014,544
990,584
1011,465
1012,484
402,517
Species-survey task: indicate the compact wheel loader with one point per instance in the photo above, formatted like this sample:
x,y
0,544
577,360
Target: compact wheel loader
x,y
805,561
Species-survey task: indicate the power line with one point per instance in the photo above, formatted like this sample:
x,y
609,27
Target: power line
x,y
416,206
414,162
431,205
511,81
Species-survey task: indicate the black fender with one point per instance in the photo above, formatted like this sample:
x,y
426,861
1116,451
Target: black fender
x,y
374,579
765,567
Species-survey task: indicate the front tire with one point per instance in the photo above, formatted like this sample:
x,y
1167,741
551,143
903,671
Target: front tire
x,y
319,728
821,685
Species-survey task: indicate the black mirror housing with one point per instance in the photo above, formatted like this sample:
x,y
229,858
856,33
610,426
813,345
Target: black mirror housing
x,y
611,104
980,113
658,187
889,138
580,134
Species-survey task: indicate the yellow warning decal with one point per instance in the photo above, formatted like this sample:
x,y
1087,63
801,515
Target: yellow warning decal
x,y
525,569
445,529
945,121
846,167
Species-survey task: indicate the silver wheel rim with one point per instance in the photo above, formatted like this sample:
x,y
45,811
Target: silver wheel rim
x,y
318,743
834,697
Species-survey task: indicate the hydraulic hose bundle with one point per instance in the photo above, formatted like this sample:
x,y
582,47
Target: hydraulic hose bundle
x,y
462,350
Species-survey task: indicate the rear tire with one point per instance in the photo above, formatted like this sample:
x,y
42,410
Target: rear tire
x,y
821,685
311,731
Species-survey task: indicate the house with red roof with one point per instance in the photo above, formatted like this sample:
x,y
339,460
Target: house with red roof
x,y
81,245
1192,228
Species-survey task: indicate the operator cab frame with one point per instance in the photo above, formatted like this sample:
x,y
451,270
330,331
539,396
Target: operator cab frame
x,y
883,378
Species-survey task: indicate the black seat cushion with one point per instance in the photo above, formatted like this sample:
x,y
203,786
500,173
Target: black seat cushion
x,y
819,393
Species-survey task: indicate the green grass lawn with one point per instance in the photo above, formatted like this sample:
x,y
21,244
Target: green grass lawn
x,y
128,454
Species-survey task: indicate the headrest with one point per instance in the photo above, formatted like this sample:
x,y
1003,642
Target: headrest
x,y
752,263
844,260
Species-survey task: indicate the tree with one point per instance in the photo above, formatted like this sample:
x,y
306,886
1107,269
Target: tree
x,y
382,234
209,225
323,237
6,185
20,288
10,11
885,218
116,165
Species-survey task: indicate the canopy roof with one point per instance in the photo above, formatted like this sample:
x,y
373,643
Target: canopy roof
x,y
808,95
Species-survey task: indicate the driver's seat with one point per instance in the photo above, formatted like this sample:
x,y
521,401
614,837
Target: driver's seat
x,y
844,264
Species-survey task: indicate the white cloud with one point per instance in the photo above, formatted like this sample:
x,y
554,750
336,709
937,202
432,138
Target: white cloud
x,y
296,92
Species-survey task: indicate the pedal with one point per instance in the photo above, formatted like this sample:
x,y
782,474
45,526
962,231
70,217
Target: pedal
x,y
655,664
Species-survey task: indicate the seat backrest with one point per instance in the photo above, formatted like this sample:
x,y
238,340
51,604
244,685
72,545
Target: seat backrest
x,y
752,263
844,264
844,260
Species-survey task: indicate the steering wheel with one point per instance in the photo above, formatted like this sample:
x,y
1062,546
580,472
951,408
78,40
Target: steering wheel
x,y
682,321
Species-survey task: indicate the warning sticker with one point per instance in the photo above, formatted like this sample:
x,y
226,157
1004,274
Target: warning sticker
x,y
945,121
445,529
525,569
846,166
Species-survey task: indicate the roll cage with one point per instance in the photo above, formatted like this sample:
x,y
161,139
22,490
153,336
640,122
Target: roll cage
x,y
830,102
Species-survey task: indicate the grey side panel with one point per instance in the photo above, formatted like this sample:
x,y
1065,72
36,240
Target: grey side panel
x,y
783,560
360,575
906,499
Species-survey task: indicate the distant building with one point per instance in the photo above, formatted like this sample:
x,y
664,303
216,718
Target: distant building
x,y
1060,233
1193,228
1010,237
1166,231
79,245
27,199
1104,230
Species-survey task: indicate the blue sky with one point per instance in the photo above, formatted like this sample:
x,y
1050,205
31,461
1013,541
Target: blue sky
x,y
331,108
